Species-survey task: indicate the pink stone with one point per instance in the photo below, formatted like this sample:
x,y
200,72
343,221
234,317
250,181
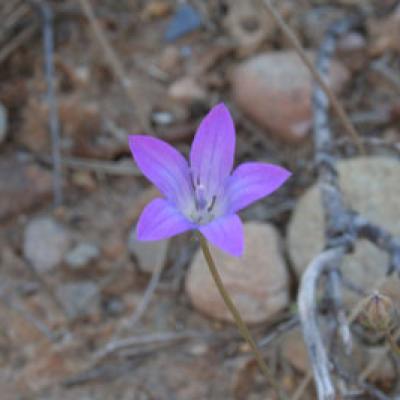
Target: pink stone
x,y
274,89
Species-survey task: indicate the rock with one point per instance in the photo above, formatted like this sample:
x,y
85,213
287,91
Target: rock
x,y
79,298
249,26
113,306
386,370
73,77
294,350
82,255
150,256
22,187
274,89
45,243
170,60
3,123
352,50
162,118
185,20
114,247
258,281
186,90
84,180
370,186
155,9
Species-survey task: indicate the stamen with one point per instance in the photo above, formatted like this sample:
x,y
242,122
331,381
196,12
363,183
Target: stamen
x,y
211,205
200,197
192,180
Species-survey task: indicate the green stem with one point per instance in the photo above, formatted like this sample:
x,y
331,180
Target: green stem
x,y
244,331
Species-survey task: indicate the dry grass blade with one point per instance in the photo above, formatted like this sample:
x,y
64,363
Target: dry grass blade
x,y
117,67
17,41
332,97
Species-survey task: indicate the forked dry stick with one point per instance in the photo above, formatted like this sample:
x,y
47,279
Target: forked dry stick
x,y
353,314
343,228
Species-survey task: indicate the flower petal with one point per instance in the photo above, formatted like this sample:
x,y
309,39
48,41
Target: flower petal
x,y
164,166
161,220
226,233
252,181
212,152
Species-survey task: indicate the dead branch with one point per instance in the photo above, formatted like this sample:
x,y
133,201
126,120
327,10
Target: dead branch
x,y
308,312
366,387
382,239
279,330
343,226
145,340
147,296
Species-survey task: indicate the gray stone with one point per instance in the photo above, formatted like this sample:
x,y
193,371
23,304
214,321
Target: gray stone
x,y
371,186
45,243
82,255
150,256
79,298
257,282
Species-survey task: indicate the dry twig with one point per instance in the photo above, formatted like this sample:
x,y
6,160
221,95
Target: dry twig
x,y
21,38
132,90
348,126
329,259
147,296
343,228
46,15
17,307
99,166
145,340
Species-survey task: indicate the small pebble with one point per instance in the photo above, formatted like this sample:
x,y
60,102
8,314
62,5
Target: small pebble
x,y
185,20
82,255
45,243
79,298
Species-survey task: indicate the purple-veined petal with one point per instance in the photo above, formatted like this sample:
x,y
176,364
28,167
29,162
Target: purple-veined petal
x,y
164,166
161,220
213,148
226,233
251,181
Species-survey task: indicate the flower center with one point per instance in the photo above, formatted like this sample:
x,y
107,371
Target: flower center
x,y
204,204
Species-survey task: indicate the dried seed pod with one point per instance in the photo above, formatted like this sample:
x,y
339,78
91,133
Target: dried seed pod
x,y
378,313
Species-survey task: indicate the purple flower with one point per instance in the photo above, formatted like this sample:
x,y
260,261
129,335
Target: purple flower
x,y
203,195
